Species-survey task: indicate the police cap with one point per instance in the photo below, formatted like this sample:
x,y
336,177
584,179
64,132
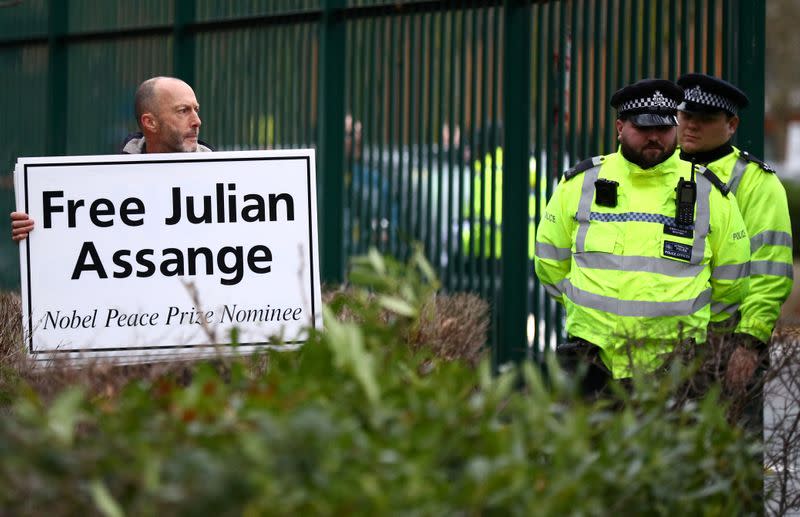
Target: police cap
x,y
649,102
707,94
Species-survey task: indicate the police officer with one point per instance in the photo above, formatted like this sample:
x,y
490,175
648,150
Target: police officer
x,y
626,245
707,119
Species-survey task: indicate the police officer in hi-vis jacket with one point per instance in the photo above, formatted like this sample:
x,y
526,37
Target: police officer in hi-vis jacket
x,y
626,244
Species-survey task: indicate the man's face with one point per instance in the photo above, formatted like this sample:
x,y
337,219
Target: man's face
x,y
698,132
176,118
646,146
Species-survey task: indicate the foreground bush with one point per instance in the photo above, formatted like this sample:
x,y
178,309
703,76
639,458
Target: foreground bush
x,y
357,422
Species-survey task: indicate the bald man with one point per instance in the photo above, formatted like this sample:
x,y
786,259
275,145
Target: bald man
x,y
168,116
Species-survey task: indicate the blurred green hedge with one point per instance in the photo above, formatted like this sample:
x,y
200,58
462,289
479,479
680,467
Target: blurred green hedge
x,y
359,423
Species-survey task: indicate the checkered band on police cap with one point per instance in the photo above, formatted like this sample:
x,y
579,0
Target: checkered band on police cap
x,y
700,96
657,101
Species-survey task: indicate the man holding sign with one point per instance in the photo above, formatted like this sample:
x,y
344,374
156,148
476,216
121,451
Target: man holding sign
x,y
167,113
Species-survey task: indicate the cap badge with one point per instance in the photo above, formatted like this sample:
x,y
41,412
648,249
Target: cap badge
x,y
659,100
694,94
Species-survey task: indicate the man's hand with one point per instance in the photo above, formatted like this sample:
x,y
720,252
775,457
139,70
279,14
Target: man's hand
x,y
21,225
742,364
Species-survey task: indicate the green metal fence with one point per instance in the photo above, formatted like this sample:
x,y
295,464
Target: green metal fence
x,y
440,122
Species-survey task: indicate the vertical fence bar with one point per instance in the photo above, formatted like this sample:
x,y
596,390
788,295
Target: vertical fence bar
x,y
462,131
478,244
711,38
384,103
751,23
295,90
512,345
673,39
370,136
432,242
698,36
728,42
57,77
414,65
353,221
611,16
468,247
587,83
560,126
634,45
331,137
648,37
685,47
659,41
391,112
439,136
571,86
549,81
598,72
495,140
183,44
624,47
540,194
451,116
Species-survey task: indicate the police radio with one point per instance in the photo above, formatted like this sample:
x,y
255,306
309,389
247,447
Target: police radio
x,y
684,201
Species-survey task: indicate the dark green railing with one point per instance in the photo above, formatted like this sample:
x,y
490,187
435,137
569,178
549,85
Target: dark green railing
x,y
440,122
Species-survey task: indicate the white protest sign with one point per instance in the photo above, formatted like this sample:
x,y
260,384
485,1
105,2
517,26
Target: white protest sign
x,y
136,257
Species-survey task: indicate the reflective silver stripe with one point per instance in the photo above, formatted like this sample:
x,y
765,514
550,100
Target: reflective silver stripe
x,y
658,265
770,238
585,206
727,308
634,308
548,251
702,218
552,290
731,271
736,175
767,267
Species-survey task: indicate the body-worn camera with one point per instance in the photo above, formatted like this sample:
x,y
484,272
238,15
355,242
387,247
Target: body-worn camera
x,y
605,192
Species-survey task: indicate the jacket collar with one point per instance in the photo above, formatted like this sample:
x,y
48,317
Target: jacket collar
x,y
706,157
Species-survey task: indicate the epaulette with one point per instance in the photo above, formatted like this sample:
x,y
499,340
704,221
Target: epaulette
x,y
714,180
761,163
583,166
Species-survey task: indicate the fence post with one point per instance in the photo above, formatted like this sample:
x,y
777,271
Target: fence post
x,y
330,147
751,43
57,77
183,44
512,342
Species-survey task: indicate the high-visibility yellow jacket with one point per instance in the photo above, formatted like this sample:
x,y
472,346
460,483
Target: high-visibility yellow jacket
x,y
762,202
630,278
483,219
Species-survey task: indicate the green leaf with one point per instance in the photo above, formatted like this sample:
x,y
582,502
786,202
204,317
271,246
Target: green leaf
x,y
104,500
64,414
397,305
422,263
377,261
350,354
